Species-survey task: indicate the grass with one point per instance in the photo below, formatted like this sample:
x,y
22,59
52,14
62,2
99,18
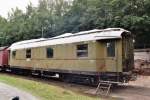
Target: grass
x,y
43,91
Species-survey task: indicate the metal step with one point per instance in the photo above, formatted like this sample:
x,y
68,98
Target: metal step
x,y
103,85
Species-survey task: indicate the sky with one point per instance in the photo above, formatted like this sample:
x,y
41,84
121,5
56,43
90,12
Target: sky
x,y
6,5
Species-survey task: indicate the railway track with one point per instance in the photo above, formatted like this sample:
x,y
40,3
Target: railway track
x,y
78,88
55,77
34,77
120,91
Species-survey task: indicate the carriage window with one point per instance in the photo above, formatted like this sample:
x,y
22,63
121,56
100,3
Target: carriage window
x,y
49,53
82,50
28,53
13,54
111,49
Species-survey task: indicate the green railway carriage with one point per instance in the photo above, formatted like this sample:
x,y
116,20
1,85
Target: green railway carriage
x,y
89,55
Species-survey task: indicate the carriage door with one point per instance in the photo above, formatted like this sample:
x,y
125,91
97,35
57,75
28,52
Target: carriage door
x,y
111,56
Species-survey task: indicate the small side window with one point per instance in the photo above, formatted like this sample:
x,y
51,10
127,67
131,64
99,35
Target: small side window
x,y
49,52
13,54
110,49
28,53
82,50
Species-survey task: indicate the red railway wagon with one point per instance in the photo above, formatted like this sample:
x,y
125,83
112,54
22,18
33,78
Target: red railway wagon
x,y
4,56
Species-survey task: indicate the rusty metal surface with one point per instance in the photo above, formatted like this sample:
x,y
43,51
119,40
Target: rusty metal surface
x,y
142,61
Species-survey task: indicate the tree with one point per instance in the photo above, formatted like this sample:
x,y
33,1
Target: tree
x,y
61,16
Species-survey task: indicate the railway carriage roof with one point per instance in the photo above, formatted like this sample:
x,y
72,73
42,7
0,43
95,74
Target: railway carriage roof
x,y
96,34
3,48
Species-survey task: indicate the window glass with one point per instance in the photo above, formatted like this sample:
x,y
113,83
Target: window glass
x,y
28,53
110,49
82,50
13,54
49,53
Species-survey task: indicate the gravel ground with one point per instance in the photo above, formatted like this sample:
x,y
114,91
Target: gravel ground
x,y
8,92
134,90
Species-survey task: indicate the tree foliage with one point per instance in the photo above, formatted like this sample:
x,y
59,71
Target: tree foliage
x,y
60,16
